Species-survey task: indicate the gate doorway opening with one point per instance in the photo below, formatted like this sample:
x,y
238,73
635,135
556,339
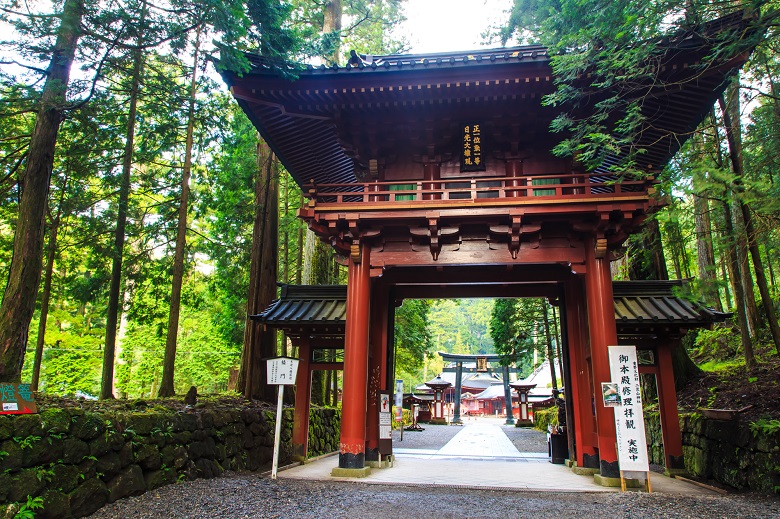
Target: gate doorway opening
x,y
646,314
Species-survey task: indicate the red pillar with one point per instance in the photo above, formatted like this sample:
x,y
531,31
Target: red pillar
x,y
579,394
352,448
670,421
377,368
603,333
300,437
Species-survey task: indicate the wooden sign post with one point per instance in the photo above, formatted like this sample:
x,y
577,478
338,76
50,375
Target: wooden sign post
x,y
281,371
624,395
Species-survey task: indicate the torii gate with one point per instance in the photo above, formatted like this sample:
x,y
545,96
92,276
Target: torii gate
x,y
432,175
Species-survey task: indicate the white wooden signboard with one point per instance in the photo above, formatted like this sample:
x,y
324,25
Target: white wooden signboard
x,y
280,371
629,419
385,417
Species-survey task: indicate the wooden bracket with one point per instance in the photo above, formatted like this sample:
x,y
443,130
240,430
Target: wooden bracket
x,y
354,252
601,248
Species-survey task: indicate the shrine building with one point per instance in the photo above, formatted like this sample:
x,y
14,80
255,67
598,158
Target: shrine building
x,y
432,176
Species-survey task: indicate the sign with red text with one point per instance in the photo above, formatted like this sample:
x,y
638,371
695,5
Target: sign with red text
x,y
629,419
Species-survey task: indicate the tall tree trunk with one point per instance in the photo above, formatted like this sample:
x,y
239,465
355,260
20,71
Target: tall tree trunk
x,y
24,274
46,296
258,343
655,268
706,251
724,272
733,137
332,23
768,252
736,285
550,352
646,258
169,362
746,276
114,310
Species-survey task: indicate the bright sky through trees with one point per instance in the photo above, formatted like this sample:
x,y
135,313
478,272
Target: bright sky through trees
x,y
450,25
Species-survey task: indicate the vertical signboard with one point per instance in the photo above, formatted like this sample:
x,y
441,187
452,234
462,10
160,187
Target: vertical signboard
x,y
385,423
629,420
399,400
471,157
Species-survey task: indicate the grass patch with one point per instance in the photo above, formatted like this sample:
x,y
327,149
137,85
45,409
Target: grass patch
x,y
722,365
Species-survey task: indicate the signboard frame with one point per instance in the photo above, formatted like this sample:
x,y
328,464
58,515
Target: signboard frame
x,y
629,416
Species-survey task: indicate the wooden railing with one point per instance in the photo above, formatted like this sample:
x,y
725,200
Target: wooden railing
x,y
566,187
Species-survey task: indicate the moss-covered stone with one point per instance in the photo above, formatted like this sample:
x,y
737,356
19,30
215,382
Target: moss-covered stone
x,y
158,478
24,483
6,428
148,457
55,421
42,451
56,505
26,425
109,464
88,497
74,450
129,482
185,422
13,458
66,477
88,426
143,423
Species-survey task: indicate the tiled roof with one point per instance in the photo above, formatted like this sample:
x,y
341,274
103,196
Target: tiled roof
x,y
650,302
314,307
636,303
365,63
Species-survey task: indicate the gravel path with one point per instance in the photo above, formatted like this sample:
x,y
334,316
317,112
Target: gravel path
x,y
249,495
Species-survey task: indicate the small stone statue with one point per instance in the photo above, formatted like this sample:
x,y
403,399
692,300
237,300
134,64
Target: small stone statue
x,y
192,396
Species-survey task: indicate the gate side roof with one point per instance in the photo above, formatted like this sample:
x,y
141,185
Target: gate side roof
x,y
636,303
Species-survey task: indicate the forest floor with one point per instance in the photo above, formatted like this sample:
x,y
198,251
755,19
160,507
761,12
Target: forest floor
x,y
733,387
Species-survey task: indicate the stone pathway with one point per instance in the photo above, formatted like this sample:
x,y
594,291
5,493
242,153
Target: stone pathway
x,y
479,456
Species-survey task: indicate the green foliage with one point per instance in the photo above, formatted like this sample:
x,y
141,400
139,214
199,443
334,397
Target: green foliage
x,y
27,442
27,510
517,327
608,57
719,342
543,418
763,427
462,326
413,340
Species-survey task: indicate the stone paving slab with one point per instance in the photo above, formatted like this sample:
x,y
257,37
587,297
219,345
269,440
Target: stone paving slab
x,y
480,456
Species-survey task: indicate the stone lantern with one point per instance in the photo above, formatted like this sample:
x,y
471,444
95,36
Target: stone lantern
x,y
522,395
439,386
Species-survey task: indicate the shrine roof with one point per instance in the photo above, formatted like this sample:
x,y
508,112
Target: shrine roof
x,y
650,302
367,63
636,303
319,119
312,307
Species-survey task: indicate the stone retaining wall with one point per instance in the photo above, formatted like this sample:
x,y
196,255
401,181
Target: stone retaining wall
x,y
726,451
77,461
